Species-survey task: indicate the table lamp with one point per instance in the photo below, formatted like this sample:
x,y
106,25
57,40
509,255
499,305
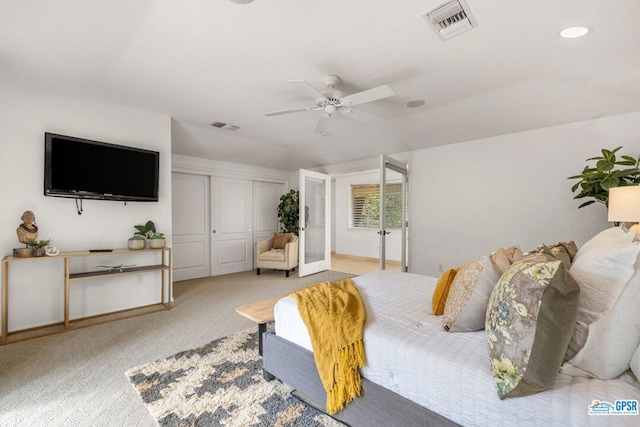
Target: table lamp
x,y
624,205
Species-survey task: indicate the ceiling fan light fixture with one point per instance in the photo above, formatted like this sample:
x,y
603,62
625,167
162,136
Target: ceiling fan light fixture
x,y
574,32
415,103
333,100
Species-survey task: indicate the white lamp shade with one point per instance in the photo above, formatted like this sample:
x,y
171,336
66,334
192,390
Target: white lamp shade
x,y
624,204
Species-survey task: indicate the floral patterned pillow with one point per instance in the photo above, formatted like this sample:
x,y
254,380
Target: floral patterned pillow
x,y
530,319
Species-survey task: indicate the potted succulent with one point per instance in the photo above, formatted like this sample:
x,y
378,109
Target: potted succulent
x,y
157,241
136,242
38,246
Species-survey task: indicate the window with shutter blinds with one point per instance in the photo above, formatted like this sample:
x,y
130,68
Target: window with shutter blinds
x,y
365,206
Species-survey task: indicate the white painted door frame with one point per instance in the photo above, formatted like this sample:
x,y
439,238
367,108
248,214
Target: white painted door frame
x,y
387,162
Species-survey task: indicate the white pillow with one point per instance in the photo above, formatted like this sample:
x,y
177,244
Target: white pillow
x,y
602,268
614,338
635,363
610,235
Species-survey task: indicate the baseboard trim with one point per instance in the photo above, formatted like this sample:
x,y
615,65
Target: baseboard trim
x,y
365,259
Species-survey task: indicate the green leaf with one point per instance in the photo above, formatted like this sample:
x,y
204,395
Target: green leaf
x,y
595,158
630,159
609,183
608,155
625,173
590,202
605,165
141,228
575,187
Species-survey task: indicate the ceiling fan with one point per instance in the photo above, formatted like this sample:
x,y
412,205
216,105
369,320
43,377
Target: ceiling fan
x,y
332,100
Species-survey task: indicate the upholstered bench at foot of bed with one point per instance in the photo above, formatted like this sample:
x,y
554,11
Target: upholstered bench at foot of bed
x,y
377,407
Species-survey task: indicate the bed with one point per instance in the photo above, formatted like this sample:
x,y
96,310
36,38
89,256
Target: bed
x,y
418,374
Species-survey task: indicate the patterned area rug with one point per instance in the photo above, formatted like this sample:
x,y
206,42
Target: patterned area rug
x,y
220,384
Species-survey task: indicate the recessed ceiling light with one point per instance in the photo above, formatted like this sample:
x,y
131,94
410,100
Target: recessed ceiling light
x,y
574,32
416,103
242,1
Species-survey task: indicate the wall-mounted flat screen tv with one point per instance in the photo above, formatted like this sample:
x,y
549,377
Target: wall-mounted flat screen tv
x,y
84,169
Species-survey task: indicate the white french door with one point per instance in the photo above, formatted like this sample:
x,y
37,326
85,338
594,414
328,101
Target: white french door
x,y
315,223
388,166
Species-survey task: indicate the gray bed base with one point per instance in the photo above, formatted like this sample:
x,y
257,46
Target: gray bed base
x,y
377,407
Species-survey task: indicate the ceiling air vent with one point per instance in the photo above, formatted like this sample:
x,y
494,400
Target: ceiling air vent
x,y
225,126
450,19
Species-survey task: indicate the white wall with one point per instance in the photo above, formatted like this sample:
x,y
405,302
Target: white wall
x,y
24,117
470,198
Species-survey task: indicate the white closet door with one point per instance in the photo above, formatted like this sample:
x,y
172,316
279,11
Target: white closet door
x,y
231,225
190,213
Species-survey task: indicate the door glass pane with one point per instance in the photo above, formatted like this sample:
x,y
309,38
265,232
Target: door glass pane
x,y
314,248
393,220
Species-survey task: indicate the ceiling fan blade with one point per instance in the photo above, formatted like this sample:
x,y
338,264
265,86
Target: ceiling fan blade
x,y
293,110
368,95
323,124
363,116
306,87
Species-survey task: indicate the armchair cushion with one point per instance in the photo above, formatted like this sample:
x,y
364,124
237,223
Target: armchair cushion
x,y
280,240
272,255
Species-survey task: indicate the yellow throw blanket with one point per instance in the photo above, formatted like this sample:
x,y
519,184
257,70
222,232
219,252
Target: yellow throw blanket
x,y
334,315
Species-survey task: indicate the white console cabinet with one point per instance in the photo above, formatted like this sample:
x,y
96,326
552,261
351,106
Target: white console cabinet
x,y
163,266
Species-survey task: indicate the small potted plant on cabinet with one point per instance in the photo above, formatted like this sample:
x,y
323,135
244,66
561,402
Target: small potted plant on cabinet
x,y
157,241
148,231
136,242
38,246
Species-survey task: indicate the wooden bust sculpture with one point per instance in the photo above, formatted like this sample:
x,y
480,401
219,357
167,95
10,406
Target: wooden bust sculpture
x,y
28,230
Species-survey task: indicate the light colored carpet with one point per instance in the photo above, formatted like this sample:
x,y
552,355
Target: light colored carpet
x,y
77,378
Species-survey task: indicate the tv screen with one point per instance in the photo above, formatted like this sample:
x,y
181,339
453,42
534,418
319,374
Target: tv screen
x,y
83,169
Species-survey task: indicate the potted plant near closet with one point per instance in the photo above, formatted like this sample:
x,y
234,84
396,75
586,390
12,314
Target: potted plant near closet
x,y
289,212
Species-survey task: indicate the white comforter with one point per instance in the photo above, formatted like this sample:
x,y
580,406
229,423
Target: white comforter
x,y
408,352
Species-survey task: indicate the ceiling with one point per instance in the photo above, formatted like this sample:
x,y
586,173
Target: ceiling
x,y
202,61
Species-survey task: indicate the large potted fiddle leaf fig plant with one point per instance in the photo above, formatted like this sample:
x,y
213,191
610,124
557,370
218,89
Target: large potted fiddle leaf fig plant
x,y
608,171
289,212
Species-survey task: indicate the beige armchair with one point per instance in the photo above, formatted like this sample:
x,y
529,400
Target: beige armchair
x,y
278,259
